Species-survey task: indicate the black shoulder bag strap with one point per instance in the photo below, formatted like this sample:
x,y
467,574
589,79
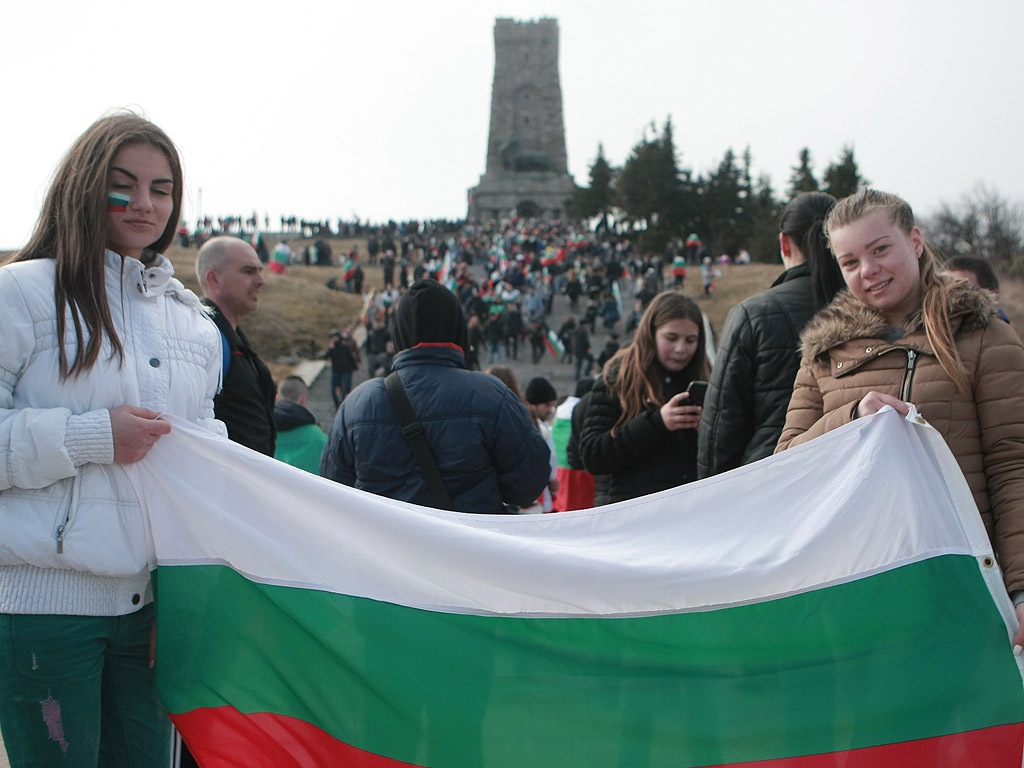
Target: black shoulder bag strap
x,y
413,432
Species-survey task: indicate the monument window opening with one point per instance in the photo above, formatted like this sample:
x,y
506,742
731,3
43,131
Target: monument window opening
x,y
529,209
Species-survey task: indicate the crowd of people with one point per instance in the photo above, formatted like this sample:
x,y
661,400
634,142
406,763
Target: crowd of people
x,y
100,341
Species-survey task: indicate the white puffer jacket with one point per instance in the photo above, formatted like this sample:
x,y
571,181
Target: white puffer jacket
x,y
72,535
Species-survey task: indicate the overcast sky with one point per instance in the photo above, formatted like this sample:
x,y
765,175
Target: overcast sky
x,y
380,109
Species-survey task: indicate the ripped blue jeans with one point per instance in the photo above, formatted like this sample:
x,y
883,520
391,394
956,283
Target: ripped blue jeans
x,y
78,691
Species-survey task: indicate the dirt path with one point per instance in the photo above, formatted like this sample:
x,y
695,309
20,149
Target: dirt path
x,y
561,375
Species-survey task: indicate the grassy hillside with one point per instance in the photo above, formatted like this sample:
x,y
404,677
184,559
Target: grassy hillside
x,y
298,311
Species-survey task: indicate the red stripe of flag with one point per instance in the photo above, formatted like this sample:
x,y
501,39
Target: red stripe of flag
x,y
226,738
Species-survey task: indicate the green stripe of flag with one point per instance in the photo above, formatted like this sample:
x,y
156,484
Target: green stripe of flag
x,y
829,670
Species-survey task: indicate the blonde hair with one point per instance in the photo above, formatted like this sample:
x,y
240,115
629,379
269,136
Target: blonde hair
x,y
935,287
633,375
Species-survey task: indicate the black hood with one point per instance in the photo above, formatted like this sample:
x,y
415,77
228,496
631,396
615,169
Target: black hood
x,y
429,313
289,415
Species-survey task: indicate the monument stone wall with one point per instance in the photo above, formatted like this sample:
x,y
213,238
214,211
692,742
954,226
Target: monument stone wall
x,y
526,172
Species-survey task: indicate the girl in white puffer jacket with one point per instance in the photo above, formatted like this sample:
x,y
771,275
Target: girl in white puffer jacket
x,y
97,341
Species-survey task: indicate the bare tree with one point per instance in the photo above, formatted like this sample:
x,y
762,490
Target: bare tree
x,y
982,224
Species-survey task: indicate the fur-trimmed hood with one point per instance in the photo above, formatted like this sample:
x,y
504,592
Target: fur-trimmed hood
x,y
847,319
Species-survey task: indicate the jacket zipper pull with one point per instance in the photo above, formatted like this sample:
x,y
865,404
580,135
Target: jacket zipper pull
x,y
60,539
908,377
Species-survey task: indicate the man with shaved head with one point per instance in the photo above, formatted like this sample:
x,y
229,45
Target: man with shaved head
x,y
231,276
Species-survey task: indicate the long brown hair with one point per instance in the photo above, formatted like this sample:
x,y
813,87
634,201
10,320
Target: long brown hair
x,y
508,376
72,230
935,287
634,376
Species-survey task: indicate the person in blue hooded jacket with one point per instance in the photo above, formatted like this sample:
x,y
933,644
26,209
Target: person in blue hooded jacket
x,y
487,450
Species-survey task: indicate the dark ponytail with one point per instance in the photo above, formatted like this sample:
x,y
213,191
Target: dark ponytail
x,y
803,221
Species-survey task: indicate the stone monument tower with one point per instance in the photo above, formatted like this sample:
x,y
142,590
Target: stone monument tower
x,y
526,164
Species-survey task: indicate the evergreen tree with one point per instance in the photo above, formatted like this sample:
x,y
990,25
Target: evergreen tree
x,y
843,177
688,209
578,204
763,212
648,187
599,198
634,187
803,179
602,191
738,213
724,204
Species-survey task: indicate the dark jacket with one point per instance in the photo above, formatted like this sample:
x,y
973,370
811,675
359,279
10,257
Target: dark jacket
x,y
581,341
572,448
758,357
289,415
377,341
480,434
245,402
342,358
494,331
578,418
643,456
573,289
610,348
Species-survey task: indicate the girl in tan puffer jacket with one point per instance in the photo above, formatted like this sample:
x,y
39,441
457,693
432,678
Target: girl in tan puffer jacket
x,y
903,333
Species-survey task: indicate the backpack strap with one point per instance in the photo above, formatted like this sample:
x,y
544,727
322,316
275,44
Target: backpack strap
x,y
412,430
225,349
227,336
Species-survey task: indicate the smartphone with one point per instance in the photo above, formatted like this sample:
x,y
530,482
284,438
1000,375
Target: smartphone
x,y
696,392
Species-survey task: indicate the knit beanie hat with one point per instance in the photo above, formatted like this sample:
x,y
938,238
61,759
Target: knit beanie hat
x,y
539,390
429,312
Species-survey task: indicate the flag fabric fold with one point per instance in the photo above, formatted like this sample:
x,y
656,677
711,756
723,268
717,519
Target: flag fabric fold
x,y
554,344
837,602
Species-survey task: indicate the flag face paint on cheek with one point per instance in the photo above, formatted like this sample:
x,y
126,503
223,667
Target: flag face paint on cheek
x,y
118,201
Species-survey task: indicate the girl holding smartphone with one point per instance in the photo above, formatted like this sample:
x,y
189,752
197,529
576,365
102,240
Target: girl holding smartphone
x,y
641,427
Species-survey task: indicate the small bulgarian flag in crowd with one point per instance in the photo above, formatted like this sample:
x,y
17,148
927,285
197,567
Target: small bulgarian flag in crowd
x,y
617,294
279,259
118,202
554,344
446,270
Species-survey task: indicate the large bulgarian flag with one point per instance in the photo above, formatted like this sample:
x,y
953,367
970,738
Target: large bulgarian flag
x,y
835,605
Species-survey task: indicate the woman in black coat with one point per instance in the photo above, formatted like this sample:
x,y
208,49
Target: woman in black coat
x,y
759,352
639,429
